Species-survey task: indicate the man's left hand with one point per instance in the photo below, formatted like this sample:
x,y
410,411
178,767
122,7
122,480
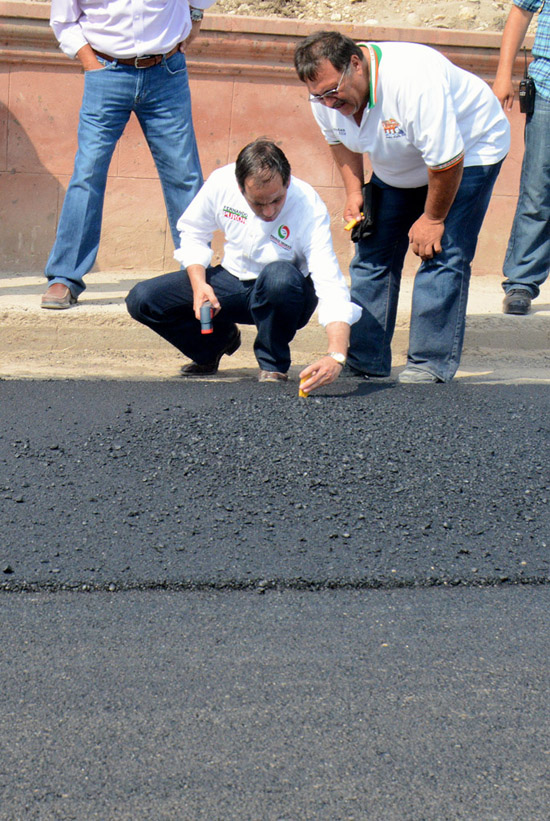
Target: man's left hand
x,y
322,372
195,29
425,237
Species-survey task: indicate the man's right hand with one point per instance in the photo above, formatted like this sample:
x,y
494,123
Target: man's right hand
x,y
204,293
88,59
503,89
512,38
353,206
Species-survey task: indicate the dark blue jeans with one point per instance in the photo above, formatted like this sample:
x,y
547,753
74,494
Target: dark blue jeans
x,y
440,290
279,302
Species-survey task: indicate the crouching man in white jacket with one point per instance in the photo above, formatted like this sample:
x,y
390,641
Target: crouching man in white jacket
x,y
278,267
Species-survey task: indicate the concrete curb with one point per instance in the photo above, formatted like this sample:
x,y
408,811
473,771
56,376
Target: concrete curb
x,y
98,339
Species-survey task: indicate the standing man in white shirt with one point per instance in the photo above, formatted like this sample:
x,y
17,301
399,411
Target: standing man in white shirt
x,y
436,138
278,266
132,53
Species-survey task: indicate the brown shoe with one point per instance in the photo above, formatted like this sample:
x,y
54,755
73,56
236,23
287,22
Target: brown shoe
x,y
58,297
272,376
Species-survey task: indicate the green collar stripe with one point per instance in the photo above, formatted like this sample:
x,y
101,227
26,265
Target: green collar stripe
x,y
375,54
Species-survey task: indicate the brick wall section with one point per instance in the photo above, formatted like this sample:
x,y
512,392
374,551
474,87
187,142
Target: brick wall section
x,y
243,86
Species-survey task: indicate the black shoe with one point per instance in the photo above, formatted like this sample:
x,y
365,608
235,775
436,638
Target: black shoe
x,y
211,368
517,301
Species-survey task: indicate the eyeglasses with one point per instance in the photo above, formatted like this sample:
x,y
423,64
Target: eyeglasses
x,y
319,98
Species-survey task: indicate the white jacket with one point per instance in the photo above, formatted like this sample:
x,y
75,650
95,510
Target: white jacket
x,y
300,234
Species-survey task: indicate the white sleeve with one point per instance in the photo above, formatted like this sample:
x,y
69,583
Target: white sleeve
x,y
196,228
201,4
335,304
64,16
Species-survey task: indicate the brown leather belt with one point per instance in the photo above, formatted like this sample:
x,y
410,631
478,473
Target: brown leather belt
x,y
146,61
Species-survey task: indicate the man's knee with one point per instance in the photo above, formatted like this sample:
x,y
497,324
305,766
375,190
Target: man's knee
x,y
280,280
137,300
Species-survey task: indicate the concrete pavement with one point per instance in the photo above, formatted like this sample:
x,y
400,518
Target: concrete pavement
x,y
98,339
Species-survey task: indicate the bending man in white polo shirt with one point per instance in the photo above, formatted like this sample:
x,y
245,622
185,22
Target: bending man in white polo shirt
x,y
436,138
278,266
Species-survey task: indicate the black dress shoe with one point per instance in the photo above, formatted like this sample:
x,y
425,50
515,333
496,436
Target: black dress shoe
x,y
517,301
211,368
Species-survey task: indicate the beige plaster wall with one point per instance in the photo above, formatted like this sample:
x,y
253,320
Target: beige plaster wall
x,y
243,85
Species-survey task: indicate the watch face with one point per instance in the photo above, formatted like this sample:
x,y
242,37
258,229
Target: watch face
x,y
339,357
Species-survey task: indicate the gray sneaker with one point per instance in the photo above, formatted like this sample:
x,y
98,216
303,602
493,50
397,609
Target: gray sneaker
x,y
416,375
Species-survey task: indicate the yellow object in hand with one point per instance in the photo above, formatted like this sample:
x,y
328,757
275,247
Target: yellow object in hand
x,y
302,394
352,223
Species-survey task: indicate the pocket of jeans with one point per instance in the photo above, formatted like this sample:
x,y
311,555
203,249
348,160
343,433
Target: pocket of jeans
x,y
176,64
105,65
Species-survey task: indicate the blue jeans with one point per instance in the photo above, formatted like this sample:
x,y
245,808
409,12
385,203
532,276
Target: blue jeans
x,y
440,290
528,255
160,97
279,302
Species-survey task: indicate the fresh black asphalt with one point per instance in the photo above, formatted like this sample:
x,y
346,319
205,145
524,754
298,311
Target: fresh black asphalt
x,y
221,602
231,484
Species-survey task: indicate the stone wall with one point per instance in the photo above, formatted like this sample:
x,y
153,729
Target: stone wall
x,y
243,86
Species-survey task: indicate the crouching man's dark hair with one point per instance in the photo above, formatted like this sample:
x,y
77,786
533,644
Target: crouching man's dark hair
x,y
261,159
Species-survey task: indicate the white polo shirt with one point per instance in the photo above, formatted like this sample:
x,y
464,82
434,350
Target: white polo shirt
x,y
300,234
424,112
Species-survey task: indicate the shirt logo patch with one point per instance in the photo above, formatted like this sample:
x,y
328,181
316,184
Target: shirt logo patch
x,y
283,232
392,129
232,214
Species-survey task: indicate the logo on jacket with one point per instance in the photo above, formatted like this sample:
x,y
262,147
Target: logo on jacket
x,y
392,129
279,236
233,214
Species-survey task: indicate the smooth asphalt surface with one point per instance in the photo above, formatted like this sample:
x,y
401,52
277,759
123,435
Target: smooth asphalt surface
x,y
221,602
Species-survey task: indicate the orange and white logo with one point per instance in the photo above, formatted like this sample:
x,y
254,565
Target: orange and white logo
x,y
392,129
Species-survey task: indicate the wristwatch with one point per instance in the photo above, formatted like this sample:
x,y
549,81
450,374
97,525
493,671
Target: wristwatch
x,y
196,14
338,357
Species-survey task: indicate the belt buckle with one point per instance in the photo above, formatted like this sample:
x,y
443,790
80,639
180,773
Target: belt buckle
x,y
143,57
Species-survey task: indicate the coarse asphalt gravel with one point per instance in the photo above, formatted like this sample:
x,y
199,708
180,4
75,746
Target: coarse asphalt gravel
x,y
208,484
